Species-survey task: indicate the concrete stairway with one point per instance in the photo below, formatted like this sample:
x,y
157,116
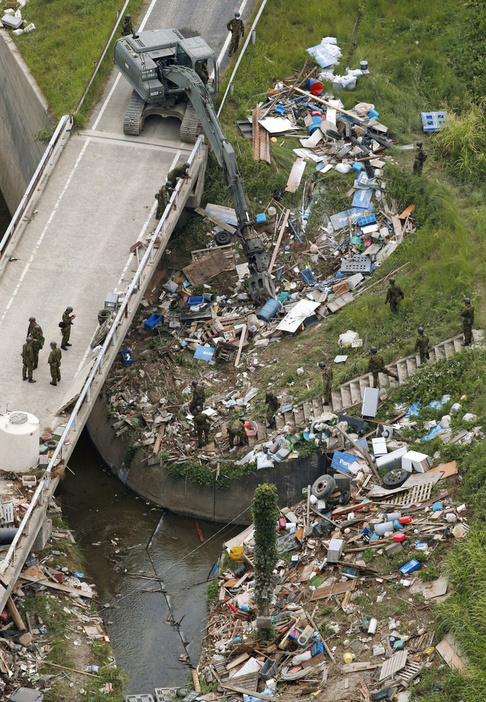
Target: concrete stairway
x,y
351,393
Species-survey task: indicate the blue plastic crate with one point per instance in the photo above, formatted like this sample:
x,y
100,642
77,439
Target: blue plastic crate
x,y
433,121
127,357
367,219
152,321
308,277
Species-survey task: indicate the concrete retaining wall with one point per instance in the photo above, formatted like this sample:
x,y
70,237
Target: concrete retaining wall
x,y
23,113
183,497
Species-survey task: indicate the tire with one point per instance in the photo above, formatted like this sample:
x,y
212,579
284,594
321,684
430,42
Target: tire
x,y
323,486
222,238
334,134
395,478
344,497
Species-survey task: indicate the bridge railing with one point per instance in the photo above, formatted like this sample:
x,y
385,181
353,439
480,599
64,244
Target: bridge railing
x,y
159,235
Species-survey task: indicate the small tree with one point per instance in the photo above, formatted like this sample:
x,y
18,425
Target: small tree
x,y
265,516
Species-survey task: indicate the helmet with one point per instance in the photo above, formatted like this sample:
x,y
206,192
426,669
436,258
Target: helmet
x,y
391,281
467,300
29,339
322,364
419,144
53,344
198,409
128,17
373,349
194,382
69,309
237,15
187,164
168,184
420,330
37,327
31,319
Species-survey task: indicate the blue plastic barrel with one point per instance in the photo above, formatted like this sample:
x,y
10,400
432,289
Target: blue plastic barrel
x,y
269,310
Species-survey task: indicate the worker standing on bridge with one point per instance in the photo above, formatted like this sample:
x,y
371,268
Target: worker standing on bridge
x,y
179,172
163,197
66,324
54,362
237,29
37,343
127,28
28,360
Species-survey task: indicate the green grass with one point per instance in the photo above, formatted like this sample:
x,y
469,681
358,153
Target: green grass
x,y
65,46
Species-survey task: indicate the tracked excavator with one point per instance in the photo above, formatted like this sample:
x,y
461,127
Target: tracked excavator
x,y
170,71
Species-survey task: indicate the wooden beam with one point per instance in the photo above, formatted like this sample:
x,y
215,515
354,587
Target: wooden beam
x,y
243,691
56,586
240,346
279,240
327,104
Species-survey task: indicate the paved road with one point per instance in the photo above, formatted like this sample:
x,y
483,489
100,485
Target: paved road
x,y
98,202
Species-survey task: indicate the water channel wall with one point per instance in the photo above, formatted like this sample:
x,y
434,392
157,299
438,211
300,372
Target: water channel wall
x,y
23,113
183,497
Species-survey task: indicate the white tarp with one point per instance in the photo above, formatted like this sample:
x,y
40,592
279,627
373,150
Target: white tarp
x,y
292,321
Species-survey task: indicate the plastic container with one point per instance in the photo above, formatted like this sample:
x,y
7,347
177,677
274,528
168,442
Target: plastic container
x,y
195,300
380,529
152,321
363,65
236,553
261,218
314,87
399,538
410,567
268,669
405,520
127,357
372,626
348,657
357,167
392,516
269,310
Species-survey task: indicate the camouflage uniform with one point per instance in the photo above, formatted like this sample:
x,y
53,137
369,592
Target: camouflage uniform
x,y
201,425
237,29
31,328
28,361
420,158
393,295
126,27
67,320
273,405
467,315
236,430
178,172
54,362
422,347
198,397
376,365
37,344
327,385
162,197
202,71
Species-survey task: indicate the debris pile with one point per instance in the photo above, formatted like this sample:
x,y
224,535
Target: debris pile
x,y
350,617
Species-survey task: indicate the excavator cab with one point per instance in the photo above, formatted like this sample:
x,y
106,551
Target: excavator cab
x,y
142,59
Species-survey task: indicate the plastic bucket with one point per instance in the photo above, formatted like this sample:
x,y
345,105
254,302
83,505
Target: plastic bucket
x,y
269,310
314,86
363,65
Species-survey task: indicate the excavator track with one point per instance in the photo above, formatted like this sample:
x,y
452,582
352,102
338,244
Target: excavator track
x,y
133,120
190,126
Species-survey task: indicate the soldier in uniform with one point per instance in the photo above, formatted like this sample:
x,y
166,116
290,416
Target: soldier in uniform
x,y
163,197
54,362
127,28
420,158
237,29
236,430
273,405
376,365
201,69
326,382
31,326
198,397
179,172
201,425
67,321
467,315
28,360
393,295
422,345
37,343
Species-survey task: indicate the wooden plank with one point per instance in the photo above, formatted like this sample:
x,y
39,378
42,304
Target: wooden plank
x,y
56,586
237,661
406,212
279,240
331,590
328,104
242,691
240,346
159,439
206,268
449,655
216,220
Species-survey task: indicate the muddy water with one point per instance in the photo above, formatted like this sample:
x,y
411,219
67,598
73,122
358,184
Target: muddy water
x,y
4,215
121,536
